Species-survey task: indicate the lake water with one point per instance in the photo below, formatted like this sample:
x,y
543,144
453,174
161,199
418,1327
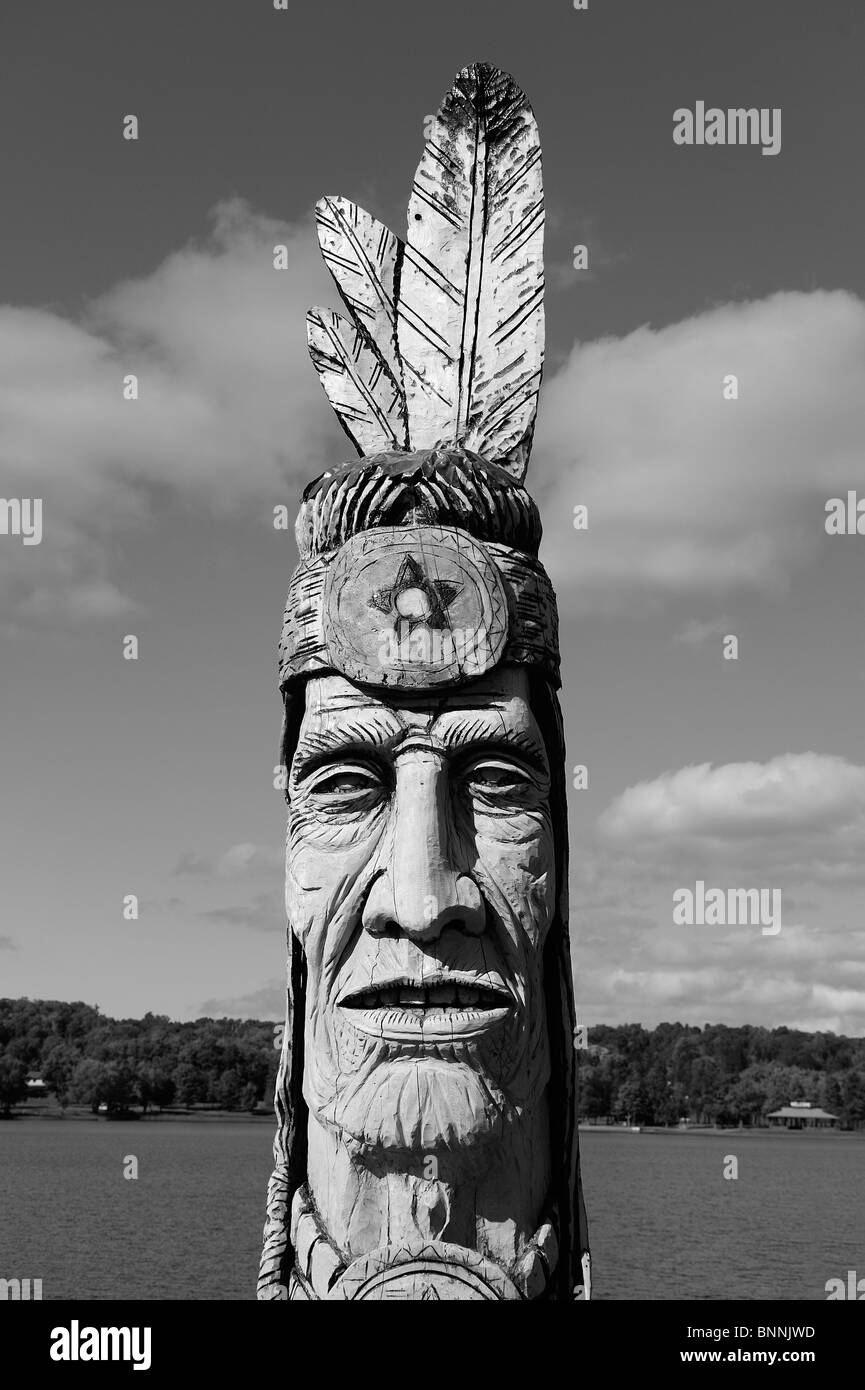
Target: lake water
x,y
664,1222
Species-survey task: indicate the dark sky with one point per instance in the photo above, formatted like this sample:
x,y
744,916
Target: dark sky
x,y
234,97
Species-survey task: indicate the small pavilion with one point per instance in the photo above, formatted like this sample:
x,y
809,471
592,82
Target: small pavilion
x,y
801,1114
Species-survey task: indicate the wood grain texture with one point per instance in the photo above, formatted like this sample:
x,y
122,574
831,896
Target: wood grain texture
x,y
364,258
319,632
470,318
427,1143
422,895
361,389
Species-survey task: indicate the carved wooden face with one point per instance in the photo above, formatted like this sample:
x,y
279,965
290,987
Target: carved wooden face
x,y
420,882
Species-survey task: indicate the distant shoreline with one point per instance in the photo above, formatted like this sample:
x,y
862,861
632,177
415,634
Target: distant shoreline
x,y
167,1116
81,1114
719,1129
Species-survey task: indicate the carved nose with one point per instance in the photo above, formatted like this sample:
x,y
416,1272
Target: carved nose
x,y
421,891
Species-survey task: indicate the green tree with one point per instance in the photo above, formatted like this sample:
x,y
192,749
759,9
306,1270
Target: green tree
x,y
154,1086
633,1103
229,1089
249,1097
90,1082
745,1098
190,1085
594,1092
706,1089
120,1087
853,1092
830,1094
13,1084
58,1067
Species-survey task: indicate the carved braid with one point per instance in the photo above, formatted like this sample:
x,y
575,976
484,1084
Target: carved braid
x,y
561,1015
290,1143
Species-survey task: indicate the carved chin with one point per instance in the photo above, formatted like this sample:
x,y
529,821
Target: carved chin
x,y
451,1096
387,1096
421,1105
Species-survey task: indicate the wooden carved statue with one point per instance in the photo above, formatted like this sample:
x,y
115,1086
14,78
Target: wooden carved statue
x,y
427,1141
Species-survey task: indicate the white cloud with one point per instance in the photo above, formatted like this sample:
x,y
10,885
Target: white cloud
x,y
793,792
265,1003
237,861
688,492
229,408
89,598
809,976
795,823
734,995
695,633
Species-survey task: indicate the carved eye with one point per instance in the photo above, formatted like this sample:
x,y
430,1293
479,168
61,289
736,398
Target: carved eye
x,y
498,780
346,787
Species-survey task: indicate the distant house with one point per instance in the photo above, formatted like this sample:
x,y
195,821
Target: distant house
x,y
801,1114
36,1086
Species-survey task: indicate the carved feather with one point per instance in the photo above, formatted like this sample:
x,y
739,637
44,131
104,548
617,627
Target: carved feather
x,y
364,258
361,389
470,317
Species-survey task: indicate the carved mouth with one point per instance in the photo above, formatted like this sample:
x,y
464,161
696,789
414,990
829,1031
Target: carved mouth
x,y
434,1009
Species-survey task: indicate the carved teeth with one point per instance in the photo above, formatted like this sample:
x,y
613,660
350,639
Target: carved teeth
x,y
413,997
440,997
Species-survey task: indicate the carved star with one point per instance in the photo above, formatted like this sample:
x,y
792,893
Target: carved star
x,y
429,1292
415,598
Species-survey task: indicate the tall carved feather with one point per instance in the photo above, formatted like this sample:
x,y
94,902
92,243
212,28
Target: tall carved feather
x,y
364,258
470,317
367,400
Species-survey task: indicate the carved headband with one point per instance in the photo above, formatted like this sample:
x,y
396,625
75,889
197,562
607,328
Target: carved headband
x,y
436,600
418,607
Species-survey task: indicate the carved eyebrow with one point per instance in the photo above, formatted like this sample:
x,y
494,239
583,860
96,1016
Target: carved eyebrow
x,y
462,730
371,727
480,731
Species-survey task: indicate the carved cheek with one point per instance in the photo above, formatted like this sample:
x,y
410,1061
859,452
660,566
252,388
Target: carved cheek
x,y
325,882
323,863
521,866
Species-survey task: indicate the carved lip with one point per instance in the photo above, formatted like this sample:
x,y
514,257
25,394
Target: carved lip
x,y
441,1007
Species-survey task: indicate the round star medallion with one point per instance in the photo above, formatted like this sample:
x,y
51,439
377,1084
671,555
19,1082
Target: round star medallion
x,y
415,607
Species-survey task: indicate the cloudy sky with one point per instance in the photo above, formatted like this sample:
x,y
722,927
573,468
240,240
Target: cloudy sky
x,y
706,515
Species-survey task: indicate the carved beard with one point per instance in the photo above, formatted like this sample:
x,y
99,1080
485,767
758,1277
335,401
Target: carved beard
x,y
443,1098
452,1097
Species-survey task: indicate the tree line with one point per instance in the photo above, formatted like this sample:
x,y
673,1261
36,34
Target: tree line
x,y
85,1058
710,1075
717,1074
